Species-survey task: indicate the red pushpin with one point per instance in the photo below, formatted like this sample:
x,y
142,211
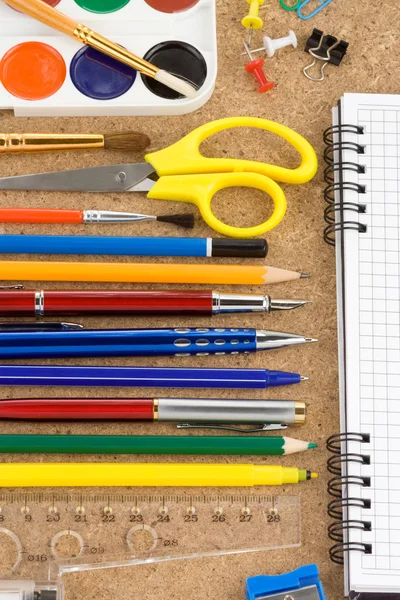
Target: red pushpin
x,y
256,68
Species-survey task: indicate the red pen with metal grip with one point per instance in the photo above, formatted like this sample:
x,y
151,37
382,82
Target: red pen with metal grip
x,y
30,303
15,302
276,413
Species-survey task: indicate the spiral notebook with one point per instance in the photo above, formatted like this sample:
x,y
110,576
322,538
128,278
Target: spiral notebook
x,y
363,215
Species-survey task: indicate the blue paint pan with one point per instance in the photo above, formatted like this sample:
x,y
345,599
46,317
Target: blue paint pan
x,y
100,77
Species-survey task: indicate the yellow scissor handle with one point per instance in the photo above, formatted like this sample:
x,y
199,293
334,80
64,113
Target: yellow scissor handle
x,y
200,189
184,156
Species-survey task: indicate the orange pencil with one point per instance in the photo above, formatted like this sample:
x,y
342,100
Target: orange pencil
x,y
144,273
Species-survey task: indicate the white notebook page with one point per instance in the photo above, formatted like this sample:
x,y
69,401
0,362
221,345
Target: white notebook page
x,y
372,304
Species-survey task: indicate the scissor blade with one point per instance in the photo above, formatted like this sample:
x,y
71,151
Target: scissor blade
x,y
113,178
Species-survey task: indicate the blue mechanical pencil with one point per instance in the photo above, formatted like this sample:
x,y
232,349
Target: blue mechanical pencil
x,y
201,341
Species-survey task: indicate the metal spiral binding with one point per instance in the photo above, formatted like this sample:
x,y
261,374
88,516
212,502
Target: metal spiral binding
x,y
340,504
333,186
329,133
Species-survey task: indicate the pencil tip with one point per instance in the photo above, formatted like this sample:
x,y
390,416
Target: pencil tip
x,y
311,339
311,445
304,378
304,275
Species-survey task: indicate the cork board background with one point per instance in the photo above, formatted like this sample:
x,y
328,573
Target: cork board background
x,y
371,28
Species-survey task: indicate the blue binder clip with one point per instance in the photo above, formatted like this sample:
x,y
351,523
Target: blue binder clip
x,y
301,584
314,12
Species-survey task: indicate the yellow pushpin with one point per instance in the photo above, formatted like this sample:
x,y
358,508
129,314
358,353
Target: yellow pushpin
x,y
252,20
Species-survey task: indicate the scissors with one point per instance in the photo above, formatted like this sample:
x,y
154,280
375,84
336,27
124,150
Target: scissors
x,y
182,174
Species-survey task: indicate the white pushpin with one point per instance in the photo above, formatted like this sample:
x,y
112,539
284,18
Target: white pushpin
x,y
270,45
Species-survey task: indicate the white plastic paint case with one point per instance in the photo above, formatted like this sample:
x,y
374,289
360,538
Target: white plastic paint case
x,y
137,27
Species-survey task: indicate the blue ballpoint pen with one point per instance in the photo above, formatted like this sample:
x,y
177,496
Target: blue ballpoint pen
x,y
201,341
131,246
168,377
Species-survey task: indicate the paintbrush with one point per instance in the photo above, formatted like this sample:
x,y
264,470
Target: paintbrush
x,y
17,143
48,215
56,20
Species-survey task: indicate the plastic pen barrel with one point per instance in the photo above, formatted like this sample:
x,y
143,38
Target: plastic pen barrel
x,y
131,246
126,342
29,303
57,375
78,409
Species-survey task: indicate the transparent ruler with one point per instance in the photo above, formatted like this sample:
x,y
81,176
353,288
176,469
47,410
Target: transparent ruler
x,y
43,533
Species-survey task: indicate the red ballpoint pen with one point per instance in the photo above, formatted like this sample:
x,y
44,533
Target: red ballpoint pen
x,y
17,302
190,413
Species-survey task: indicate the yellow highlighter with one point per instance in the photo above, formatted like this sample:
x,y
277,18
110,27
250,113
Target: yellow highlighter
x,y
144,475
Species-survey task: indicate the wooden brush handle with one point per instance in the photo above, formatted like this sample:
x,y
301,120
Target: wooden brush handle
x,y
45,14
15,143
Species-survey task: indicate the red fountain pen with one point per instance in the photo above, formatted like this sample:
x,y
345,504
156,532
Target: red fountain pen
x,y
18,302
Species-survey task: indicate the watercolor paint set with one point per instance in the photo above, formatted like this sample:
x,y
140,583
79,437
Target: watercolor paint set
x,y
44,73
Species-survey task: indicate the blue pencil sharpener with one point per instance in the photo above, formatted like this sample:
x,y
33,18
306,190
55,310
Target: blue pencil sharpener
x,y
301,584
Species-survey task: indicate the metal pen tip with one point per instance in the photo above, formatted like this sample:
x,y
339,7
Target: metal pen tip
x,y
287,304
311,339
304,275
303,378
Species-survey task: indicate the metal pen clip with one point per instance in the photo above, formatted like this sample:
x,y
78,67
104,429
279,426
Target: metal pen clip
x,y
73,326
12,287
28,326
264,427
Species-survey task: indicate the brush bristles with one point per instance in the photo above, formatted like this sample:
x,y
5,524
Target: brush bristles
x,y
175,83
127,142
186,221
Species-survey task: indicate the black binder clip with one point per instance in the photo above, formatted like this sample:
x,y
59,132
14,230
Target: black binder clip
x,y
326,49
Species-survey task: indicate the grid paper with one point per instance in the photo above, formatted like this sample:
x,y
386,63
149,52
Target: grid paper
x,y
379,318
372,298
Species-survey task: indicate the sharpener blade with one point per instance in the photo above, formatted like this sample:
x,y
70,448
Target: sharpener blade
x,y
307,593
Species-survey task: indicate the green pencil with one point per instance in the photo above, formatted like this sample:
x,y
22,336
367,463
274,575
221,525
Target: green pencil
x,y
150,444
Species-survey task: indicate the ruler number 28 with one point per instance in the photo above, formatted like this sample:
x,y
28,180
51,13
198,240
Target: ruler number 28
x,y
273,518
